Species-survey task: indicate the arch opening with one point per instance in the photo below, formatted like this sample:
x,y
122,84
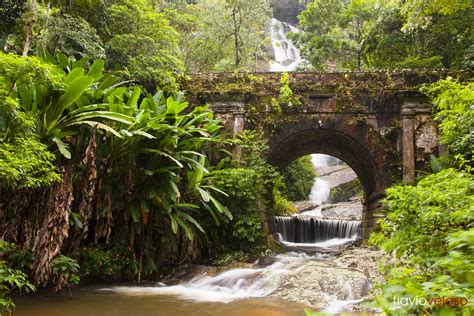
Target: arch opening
x,y
358,151
285,149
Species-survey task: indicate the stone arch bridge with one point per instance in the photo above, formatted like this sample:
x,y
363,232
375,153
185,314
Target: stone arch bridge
x,y
377,122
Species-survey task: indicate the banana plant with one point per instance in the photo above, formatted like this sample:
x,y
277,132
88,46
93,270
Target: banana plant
x,y
169,143
75,98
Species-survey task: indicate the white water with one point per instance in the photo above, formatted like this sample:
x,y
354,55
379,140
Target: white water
x,y
236,284
324,244
320,191
287,56
226,286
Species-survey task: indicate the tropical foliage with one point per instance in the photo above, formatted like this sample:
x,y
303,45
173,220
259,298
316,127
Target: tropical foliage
x,y
428,228
299,178
85,120
10,279
365,34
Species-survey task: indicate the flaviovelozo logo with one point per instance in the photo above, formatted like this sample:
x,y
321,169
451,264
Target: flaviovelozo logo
x,y
433,301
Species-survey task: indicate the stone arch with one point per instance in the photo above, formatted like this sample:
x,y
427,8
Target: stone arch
x,y
350,139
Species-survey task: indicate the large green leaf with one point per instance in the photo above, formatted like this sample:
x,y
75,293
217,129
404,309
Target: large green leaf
x,y
133,99
75,73
96,69
75,89
99,126
109,115
63,148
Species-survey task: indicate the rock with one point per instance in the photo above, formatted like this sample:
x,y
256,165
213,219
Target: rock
x,y
345,191
344,210
364,259
303,206
318,283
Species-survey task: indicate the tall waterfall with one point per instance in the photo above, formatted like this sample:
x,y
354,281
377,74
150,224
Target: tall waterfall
x,y
287,56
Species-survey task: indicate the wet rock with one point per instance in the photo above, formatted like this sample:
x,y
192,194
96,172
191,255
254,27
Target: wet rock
x,y
318,284
344,211
344,277
345,191
364,259
303,206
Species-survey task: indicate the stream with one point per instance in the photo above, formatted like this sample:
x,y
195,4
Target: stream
x,y
317,271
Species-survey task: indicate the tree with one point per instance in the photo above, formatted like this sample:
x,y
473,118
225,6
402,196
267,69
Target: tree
x,y
72,36
420,12
142,45
337,42
372,34
319,38
359,18
223,35
299,178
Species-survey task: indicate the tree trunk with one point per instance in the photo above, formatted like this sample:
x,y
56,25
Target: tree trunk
x,y
29,28
54,227
359,59
236,37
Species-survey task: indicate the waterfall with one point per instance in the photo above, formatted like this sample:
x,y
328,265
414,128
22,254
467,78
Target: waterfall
x,y
320,160
298,230
320,191
287,56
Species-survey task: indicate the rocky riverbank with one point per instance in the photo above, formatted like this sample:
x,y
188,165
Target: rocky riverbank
x,y
343,281
330,281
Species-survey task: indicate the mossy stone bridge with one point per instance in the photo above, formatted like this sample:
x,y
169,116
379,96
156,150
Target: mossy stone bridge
x,y
377,122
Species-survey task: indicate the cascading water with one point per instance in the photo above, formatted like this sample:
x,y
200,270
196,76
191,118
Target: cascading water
x,y
320,191
308,231
286,55
262,280
226,286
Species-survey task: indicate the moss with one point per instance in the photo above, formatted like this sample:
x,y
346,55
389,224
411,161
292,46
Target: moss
x,y
345,191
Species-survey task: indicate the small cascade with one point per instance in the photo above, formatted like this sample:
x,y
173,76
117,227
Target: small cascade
x,y
286,55
320,192
257,281
298,230
320,160
267,277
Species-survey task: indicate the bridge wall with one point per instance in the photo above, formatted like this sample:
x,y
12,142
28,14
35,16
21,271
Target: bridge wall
x,y
377,122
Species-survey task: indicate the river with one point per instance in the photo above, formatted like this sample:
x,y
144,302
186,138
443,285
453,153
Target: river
x,y
91,301
282,283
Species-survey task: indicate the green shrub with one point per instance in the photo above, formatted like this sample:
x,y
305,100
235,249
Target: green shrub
x,y
115,264
65,271
10,279
299,177
429,231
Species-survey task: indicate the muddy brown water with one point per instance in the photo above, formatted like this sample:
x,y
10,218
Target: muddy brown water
x,y
87,301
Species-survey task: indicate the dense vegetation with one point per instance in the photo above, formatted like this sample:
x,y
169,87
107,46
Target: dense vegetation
x,y
368,34
106,173
128,179
428,227
299,178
